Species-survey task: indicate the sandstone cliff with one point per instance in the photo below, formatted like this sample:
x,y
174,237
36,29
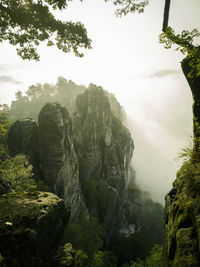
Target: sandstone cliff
x,y
23,139
58,160
97,152
104,148
181,246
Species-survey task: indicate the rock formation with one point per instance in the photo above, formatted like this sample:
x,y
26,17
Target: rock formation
x,y
30,227
86,160
181,246
58,161
23,139
104,149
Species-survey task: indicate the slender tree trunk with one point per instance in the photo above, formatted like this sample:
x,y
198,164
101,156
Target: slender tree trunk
x,y
166,15
194,84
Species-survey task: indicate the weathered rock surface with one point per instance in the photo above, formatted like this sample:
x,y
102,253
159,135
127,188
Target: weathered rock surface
x,y
181,246
85,161
23,139
104,149
58,161
30,227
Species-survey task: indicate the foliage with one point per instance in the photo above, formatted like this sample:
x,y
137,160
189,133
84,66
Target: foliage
x,y
129,6
104,259
186,153
97,195
64,255
38,95
80,258
138,263
85,235
18,173
67,256
147,217
25,24
4,123
185,42
154,260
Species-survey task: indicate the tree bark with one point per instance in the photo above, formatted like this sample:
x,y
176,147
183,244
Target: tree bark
x,y
194,84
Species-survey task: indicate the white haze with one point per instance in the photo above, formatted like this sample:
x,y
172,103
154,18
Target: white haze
x,y
161,128
127,60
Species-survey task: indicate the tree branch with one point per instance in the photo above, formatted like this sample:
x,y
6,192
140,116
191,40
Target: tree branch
x,y
166,15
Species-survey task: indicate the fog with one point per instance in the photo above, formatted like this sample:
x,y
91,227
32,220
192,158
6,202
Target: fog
x,y
160,132
127,60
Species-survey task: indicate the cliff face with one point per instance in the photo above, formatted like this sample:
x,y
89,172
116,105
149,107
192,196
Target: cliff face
x,y
58,160
23,139
181,246
104,149
86,160
30,227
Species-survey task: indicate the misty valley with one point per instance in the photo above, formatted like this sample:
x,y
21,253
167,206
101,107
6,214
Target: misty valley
x,y
68,190
83,173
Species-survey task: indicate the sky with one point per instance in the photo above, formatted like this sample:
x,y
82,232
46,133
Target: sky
x,y
126,59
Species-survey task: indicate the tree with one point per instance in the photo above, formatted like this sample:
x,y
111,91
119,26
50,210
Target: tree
x,y
190,64
190,67
129,6
17,172
4,123
25,24
85,235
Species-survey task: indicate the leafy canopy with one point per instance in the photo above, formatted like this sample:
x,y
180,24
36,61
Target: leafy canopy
x,y
17,172
129,6
27,23
185,44
4,123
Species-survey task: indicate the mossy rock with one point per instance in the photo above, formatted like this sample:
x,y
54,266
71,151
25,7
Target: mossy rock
x,y
31,224
181,220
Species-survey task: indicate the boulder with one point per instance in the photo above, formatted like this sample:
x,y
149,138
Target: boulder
x,y
31,225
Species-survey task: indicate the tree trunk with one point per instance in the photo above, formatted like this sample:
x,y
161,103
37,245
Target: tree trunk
x,y
194,84
166,15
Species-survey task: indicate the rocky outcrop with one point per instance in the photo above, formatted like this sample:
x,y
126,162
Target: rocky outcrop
x,y
85,161
23,139
181,246
104,149
31,225
58,161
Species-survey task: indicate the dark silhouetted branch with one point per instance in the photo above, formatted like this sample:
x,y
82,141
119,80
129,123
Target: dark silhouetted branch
x,y
166,15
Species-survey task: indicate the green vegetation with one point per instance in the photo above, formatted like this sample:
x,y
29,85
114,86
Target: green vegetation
x,y
184,43
93,245
129,6
153,260
38,95
85,235
16,175
96,194
67,256
5,123
25,24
